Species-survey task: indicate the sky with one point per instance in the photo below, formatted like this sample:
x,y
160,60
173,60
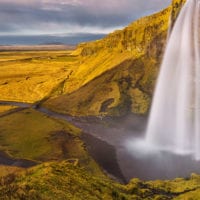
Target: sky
x,y
72,17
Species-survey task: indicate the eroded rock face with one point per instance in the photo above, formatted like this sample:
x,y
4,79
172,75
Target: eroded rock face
x,y
122,66
135,38
138,35
176,7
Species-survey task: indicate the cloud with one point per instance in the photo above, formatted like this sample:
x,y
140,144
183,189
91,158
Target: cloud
x,y
42,16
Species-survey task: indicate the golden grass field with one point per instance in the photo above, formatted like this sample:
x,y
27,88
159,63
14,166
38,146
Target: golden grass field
x,y
33,75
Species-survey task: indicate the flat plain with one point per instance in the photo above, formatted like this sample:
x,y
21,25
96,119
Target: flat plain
x,y
30,76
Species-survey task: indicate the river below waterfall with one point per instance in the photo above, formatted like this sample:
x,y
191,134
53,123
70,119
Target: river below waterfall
x,y
107,140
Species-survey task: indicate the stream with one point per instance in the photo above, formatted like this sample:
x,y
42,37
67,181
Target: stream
x,y
107,140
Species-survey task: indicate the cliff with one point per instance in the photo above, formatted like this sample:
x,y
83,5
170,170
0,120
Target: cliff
x,y
117,74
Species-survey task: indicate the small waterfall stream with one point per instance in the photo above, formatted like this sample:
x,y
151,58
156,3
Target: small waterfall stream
x,y
174,123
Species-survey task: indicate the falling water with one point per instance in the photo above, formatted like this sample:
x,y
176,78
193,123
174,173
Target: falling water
x,y
174,123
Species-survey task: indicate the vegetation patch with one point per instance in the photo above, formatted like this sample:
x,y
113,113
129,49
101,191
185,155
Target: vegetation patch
x,y
29,134
69,180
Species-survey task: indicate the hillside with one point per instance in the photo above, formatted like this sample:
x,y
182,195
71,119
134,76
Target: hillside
x,y
65,180
117,74
112,76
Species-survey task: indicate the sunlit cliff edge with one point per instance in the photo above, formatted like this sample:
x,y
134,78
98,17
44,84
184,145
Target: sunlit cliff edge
x,y
117,74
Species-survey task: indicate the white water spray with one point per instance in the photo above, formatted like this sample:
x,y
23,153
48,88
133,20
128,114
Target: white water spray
x,y
174,122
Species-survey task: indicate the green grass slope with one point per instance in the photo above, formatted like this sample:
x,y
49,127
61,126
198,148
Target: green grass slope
x,y
31,135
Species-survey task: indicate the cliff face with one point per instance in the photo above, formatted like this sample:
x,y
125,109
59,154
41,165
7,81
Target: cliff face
x,y
117,74
176,7
135,38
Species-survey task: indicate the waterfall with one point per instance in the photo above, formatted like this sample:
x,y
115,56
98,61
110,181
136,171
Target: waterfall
x,y
174,122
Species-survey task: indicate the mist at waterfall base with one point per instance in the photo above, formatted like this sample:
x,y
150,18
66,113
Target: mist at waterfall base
x,y
170,147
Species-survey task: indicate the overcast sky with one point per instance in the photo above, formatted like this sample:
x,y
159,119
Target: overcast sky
x,y
33,17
